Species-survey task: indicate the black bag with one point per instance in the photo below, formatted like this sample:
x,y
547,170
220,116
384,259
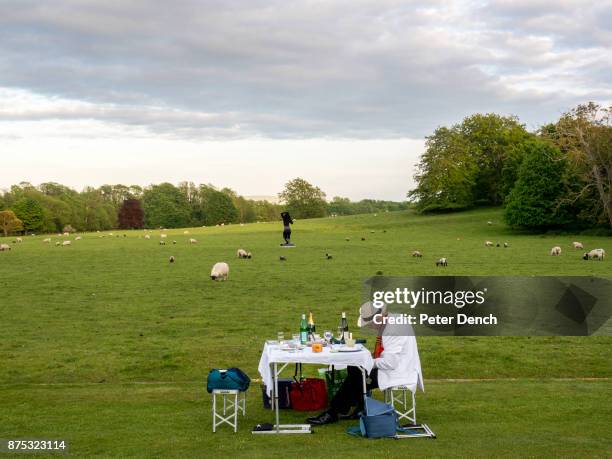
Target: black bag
x,y
284,389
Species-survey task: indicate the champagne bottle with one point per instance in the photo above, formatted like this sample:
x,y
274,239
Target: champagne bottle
x,y
311,327
303,330
343,328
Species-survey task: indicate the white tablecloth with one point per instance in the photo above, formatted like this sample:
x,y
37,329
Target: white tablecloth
x,y
272,354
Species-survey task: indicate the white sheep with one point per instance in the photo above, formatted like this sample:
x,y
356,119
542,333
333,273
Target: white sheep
x,y
220,271
249,255
64,234
147,236
241,253
5,247
66,243
595,253
488,244
163,236
19,239
57,244
555,251
577,245
442,262
78,238
417,254
185,232
47,240
193,241
162,242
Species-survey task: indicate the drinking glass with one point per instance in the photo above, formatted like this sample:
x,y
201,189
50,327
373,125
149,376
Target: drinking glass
x,y
281,337
328,335
296,338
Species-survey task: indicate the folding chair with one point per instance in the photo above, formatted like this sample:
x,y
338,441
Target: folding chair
x,y
396,396
233,403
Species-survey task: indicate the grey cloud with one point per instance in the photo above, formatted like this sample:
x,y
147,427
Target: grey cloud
x,y
361,69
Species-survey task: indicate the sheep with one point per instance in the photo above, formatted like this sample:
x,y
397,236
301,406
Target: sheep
x,y
497,244
506,245
489,223
193,241
442,262
372,232
249,255
555,251
220,271
348,239
147,236
163,236
111,234
281,258
171,260
162,242
363,238
577,245
78,238
57,244
47,240
19,240
328,256
417,254
66,233
66,243
488,244
173,242
241,253
5,247
595,253
185,232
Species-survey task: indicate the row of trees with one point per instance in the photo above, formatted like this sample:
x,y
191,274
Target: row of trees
x,y
51,207
560,175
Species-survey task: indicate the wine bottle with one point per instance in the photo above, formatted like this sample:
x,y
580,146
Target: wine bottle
x,y
303,330
311,327
342,328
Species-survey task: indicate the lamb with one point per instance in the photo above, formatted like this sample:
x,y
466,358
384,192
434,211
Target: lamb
x,y
162,242
241,253
220,271
328,256
163,236
47,240
19,240
442,262
147,236
506,245
193,241
577,245
595,253
488,244
281,258
78,238
5,247
249,255
171,259
555,251
417,254
66,243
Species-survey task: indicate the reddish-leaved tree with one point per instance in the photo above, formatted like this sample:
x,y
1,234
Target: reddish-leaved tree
x,y
131,215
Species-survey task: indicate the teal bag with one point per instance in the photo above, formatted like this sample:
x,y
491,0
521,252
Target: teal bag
x,y
378,420
230,379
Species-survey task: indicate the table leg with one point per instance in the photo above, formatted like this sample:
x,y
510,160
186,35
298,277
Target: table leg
x,y
276,405
365,388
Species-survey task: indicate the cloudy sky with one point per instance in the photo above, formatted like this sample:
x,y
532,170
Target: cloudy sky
x,y
250,94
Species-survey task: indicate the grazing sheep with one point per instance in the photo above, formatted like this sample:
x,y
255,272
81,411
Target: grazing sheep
x,y
497,244
328,256
5,247
489,223
347,239
442,262
577,245
372,232
19,240
595,253
193,241
506,245
363,238
488,244
163,236
47,240
241,253
417,254
66,243
281,258
555,251
185,232
220,271
173,242
249,255
111,234
171,260
64,234
147,236
78,238
162,242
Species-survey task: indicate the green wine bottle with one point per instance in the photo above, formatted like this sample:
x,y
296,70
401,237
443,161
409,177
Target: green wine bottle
x,y
303,330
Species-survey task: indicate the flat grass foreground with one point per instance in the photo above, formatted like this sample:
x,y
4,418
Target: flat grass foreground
x,y
107,345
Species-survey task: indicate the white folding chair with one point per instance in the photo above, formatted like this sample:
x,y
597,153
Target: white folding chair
x,y
396,396
232,404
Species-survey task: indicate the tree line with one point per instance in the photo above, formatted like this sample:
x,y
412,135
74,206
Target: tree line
x,y
52,207
558,176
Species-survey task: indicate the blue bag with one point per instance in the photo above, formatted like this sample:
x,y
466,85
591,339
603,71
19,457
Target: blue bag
x,y
232,379
378,420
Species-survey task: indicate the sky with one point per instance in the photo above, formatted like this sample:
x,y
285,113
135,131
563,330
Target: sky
x,y
249,95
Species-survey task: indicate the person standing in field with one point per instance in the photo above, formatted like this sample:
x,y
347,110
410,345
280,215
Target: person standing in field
x,y
287,221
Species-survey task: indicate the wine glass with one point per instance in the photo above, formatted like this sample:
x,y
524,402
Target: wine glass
x,y
328,335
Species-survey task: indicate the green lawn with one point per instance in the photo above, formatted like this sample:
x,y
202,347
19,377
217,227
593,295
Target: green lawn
x,y
107,344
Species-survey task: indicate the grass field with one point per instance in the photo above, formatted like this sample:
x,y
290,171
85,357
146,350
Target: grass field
x,y
106,344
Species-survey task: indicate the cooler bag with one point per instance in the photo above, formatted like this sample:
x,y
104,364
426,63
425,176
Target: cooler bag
x,y
378,420
230,379
309,394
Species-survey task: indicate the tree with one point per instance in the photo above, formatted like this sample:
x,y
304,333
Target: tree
x,y
131,215
30,212
9,222
341,206
165,206
534,201
585,135
217,207
303,200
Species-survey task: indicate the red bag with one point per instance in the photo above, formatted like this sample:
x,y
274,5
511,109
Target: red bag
x,y
309,394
